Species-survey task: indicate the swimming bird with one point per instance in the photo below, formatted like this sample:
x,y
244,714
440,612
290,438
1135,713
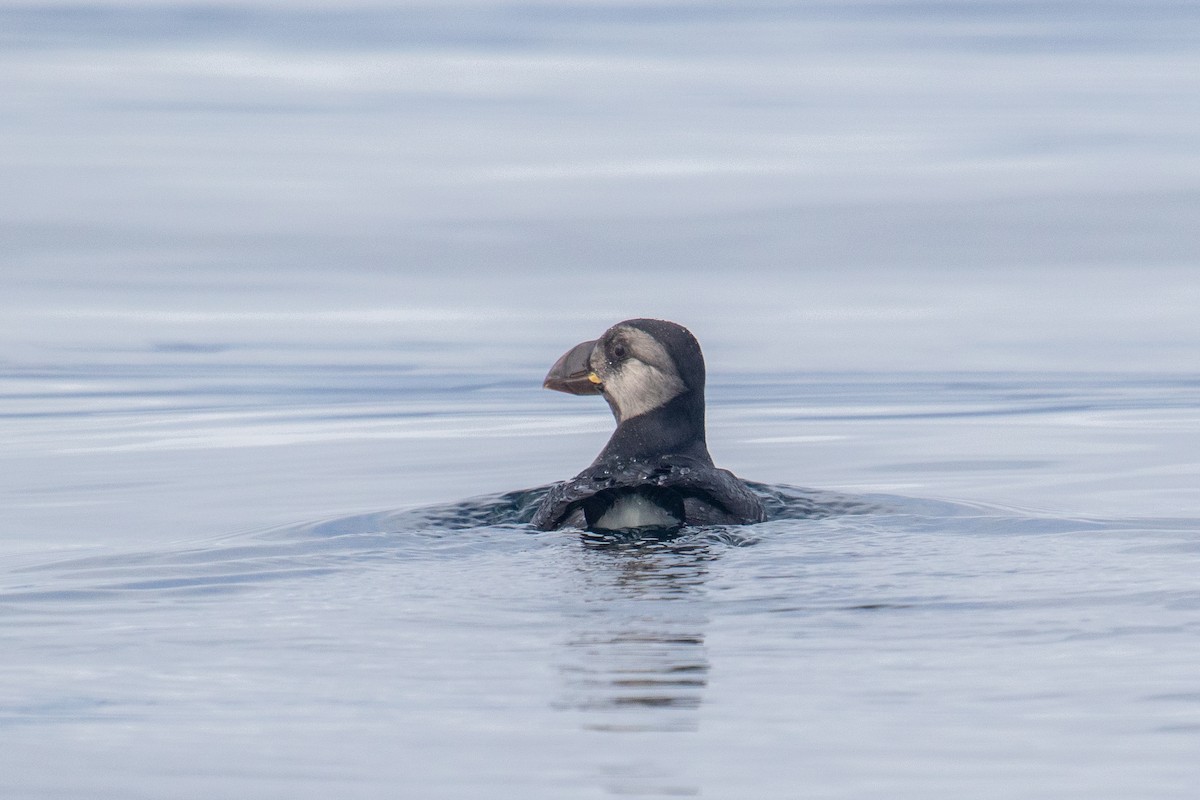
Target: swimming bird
x,y
655,472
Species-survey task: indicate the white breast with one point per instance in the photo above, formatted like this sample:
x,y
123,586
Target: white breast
x,y
635,511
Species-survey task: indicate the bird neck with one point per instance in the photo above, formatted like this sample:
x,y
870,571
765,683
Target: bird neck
x,y
674,429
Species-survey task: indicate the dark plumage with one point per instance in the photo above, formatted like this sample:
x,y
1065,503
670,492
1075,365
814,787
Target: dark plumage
x,y
655,471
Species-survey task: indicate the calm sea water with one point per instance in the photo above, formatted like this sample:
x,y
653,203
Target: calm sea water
x,y
278,286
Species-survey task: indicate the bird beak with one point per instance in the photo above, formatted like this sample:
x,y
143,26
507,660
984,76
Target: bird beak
x,y
572,373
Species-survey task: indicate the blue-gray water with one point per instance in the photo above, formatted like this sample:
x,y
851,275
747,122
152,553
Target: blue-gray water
x,y
278,285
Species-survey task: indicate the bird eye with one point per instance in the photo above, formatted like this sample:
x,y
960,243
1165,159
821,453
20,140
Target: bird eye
x,y
619,352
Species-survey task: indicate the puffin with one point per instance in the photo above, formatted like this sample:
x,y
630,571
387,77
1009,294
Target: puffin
x,y
655,473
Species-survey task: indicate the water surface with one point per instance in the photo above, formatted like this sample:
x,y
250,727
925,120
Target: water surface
x,y
860,638
278,285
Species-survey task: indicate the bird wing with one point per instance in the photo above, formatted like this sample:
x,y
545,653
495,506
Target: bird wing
x,y
712,496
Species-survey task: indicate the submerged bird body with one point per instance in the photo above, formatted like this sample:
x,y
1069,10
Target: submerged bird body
x,y
655,472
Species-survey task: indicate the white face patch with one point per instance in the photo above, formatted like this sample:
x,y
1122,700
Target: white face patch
x,y
645,380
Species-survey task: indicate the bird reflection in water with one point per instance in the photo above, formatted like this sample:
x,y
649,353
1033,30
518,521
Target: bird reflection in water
x,y
638,662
